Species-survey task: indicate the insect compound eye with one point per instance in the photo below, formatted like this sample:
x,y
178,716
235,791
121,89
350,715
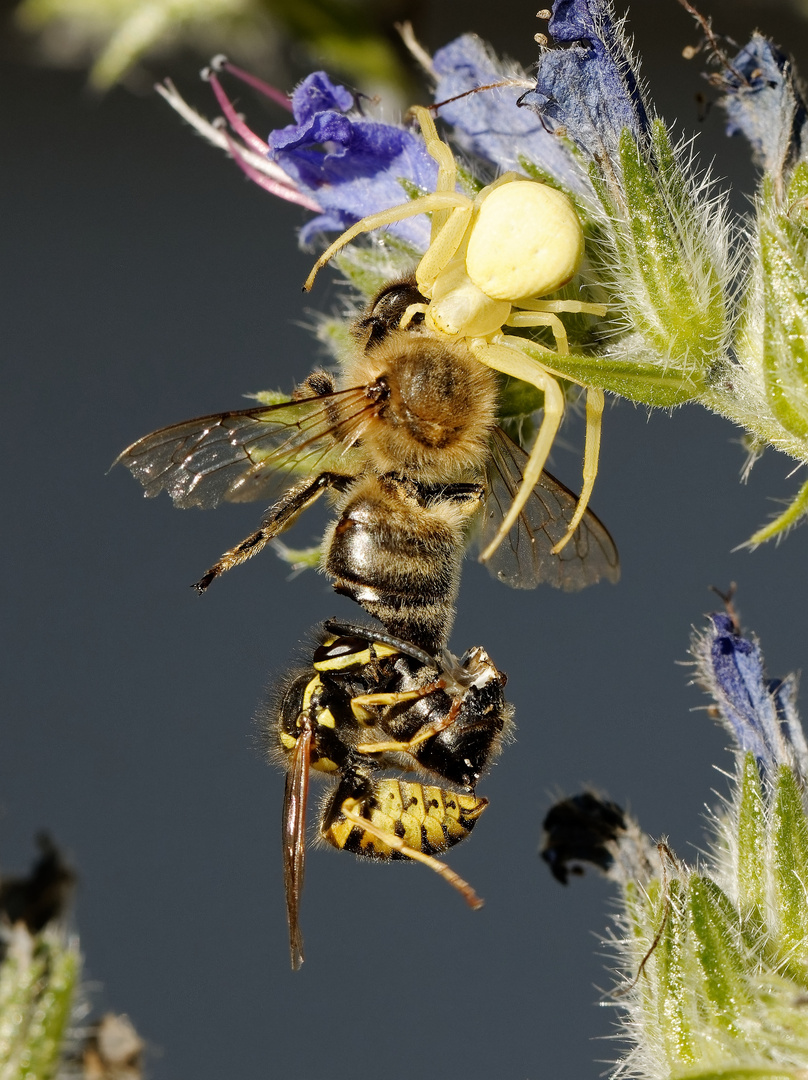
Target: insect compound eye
x,y
527,241
386,312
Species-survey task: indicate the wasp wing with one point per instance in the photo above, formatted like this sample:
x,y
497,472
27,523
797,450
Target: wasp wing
x,y
295,797
525,557
250,454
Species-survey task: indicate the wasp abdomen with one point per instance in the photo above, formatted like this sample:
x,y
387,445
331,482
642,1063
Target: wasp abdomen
x,y
426,818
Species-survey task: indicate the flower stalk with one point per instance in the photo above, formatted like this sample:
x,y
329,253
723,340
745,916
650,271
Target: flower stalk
x,y
715,956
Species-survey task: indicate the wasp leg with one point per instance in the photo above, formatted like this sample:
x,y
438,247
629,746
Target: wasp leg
x,y
348,810
425,733
277,518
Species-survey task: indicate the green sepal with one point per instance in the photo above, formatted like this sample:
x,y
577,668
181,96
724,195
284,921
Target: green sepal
x,y
683,292
784,260
723,962
743,1072
308,558
750,881
270,397
645,383
794,512
789,855
38,979
674,976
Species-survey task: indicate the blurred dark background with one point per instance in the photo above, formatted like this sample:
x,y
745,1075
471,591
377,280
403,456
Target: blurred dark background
x,y
145,281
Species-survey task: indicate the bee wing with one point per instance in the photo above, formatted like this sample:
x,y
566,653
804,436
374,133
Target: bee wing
x,y
295,797
245,455
525,557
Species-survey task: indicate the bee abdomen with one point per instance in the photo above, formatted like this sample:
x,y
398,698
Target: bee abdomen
x,y
428,819
398,555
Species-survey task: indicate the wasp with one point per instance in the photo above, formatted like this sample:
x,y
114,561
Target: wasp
x,y
369,705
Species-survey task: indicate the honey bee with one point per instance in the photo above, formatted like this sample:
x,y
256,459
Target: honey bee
x,y
371,704
408,447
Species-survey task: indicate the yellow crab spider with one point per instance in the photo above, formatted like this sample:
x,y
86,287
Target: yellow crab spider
x,y
489,260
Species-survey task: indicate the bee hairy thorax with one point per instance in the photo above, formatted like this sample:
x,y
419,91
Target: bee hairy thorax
x,y
435,405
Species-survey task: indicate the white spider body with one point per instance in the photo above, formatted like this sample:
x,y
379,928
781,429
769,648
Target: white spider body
x,y
489,261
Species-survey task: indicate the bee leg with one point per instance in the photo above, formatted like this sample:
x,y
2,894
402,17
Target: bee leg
x,y
277,518
349,810
510,360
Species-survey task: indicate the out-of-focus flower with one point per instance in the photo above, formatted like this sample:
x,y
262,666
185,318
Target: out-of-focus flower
x,y
113,36
39,967
715,957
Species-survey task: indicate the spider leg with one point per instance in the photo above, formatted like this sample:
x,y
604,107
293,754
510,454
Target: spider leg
x,y
594,415
443,247
425,204
447,166
577,307
543,318
512,361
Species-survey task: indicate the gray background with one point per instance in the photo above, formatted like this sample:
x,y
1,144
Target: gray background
x,y
144,282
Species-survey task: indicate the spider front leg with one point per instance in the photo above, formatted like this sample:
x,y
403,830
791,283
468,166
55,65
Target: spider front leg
x,y
442,154
510,360
425,204
543,318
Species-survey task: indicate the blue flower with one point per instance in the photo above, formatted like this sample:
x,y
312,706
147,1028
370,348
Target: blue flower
x,y
763,102
759,713
351,165
590,88
490,124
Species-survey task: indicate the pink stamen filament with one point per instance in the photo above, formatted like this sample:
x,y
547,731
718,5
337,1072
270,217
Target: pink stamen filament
x,y
262,87
274,187
234,120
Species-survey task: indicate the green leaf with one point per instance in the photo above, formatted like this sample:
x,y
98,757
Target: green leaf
x,y
645,383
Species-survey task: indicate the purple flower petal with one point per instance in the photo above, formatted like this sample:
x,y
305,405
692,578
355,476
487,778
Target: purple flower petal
x,y
764,103
490,124
759,714
351,165
590,88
